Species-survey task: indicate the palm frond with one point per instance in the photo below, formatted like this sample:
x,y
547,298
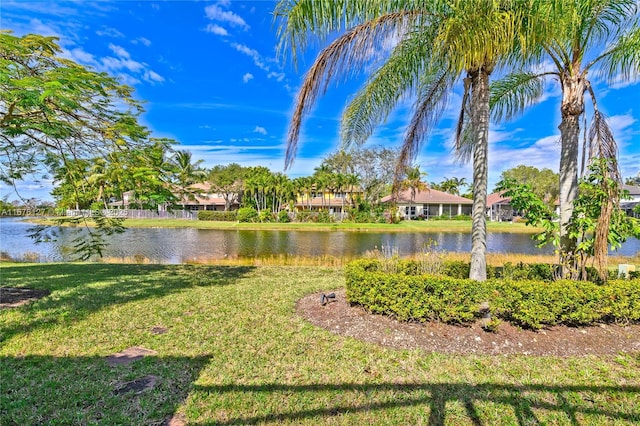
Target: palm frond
x,y
435,85
478,33
511,95
602,144
463,116
463,151
382,92
621,61
347,53
302,21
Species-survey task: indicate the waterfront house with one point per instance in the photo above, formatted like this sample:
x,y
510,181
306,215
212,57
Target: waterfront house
x,y
630,204
429,203
499,208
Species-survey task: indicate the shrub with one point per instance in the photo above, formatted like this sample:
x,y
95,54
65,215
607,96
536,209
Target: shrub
x,y
526,271
266,216
247,214
452,298
324,217
228,216
304,216
283,216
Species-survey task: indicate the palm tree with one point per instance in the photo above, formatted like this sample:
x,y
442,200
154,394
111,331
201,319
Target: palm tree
x,y
413,181
453,185
352,180
185,174
579,37
341,181
436,42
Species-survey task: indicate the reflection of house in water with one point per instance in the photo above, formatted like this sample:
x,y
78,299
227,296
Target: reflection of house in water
x,y
629,204
429,203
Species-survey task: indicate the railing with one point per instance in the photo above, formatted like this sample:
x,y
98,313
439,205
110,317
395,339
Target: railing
x,y
135,214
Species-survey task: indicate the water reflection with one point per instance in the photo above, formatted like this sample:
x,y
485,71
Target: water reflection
x,y
185,245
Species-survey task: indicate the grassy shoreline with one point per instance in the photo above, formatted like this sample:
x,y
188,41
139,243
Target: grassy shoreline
x,y
235,352
404,226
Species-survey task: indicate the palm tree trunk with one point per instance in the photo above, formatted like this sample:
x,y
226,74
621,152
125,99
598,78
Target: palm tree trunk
x,y
572,107
480,126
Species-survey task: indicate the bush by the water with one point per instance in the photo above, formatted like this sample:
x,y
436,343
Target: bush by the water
x,y
248,214
528,302
228,216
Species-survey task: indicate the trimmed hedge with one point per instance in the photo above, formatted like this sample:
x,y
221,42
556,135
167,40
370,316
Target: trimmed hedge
x,y
228,216
532,304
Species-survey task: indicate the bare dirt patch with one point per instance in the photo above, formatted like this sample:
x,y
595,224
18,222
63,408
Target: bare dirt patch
x,y
129,355
339,317
13,297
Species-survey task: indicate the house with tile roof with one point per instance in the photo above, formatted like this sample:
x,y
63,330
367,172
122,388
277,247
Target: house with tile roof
x,y
429,203
499,208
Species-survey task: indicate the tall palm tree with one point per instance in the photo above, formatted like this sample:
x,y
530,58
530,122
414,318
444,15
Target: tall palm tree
x,y
185,174
453,185
413,182
436,42
352,180
580,37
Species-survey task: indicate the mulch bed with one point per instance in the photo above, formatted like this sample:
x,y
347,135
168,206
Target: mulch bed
x,y
339,317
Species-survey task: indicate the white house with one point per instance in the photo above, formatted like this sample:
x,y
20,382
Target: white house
x,y
429,203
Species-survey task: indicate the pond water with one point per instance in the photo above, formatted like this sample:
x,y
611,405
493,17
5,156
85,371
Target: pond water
x,y
167,245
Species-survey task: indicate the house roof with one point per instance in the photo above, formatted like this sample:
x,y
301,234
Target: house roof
x,y
633,190
497,198
429,196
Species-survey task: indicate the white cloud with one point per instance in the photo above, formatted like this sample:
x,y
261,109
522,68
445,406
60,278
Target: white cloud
x,y
114,64
260,130
622,126
77,54
153,77
216,13
142,40
629,165
544,153
36,26
129,71
119,51
216,29
279,76
248,76
217,152
109,32
253,54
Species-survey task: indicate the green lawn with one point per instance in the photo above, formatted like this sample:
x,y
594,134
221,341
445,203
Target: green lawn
x,y
404,226
236,353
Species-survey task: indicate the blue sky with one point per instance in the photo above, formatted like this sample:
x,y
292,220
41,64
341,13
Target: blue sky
x,y
211,80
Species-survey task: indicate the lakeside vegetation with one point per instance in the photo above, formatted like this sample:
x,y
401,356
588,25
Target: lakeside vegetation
x,y
235,352
403,226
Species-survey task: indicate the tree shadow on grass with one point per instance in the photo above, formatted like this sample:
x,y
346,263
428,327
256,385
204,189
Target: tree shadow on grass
x,y
86,390
80,289
565,404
